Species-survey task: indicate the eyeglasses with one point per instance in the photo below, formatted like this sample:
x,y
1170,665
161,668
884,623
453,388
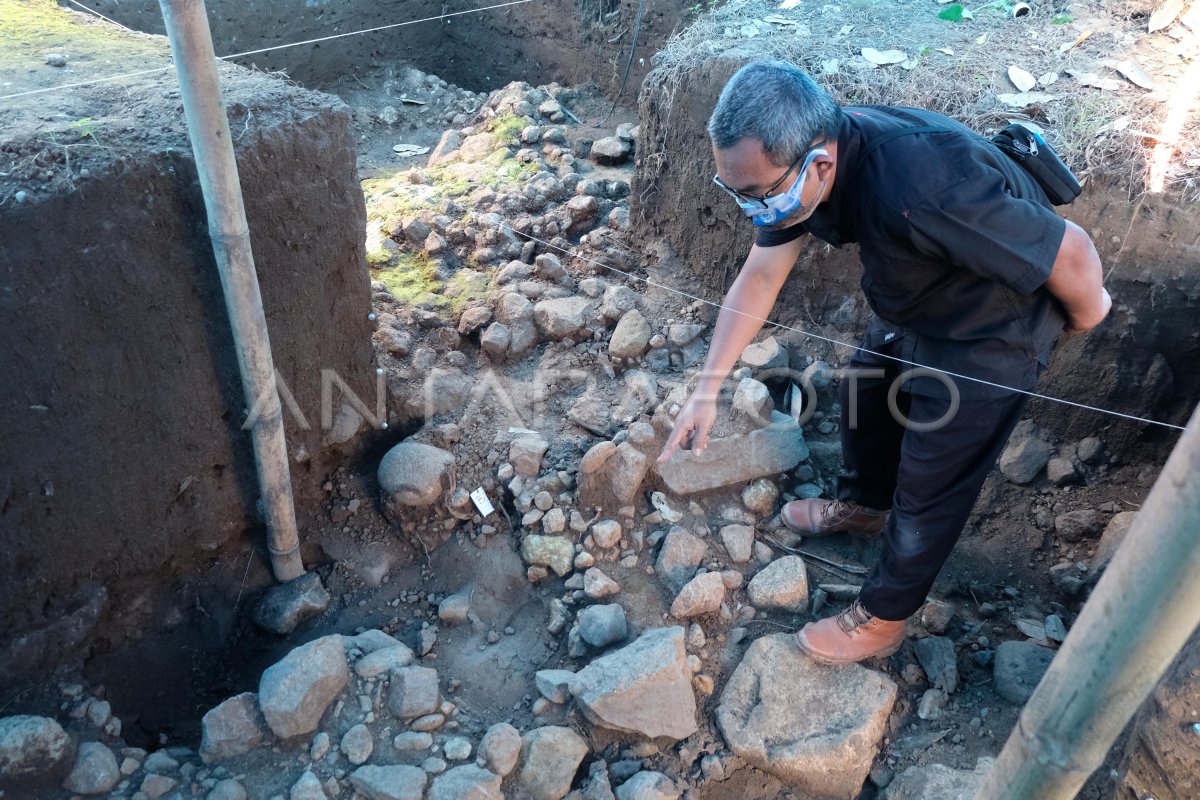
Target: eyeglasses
x,y
757,202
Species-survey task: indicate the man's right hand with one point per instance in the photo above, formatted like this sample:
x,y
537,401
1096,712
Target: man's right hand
x,y
691,429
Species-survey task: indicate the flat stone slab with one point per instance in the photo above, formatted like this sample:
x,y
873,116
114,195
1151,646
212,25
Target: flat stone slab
x,y
644,688
938,782
814,727
736,459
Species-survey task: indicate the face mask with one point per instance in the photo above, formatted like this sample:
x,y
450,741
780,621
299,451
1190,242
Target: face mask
x,y
788,205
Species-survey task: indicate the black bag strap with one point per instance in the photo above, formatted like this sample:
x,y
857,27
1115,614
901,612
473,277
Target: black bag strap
x,y
884,138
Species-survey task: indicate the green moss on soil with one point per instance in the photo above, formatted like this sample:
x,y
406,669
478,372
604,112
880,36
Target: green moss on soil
x,y
31,28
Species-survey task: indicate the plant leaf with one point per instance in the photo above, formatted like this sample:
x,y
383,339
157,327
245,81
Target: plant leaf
x,y
1025,99
1022,79
1095,81
952,13
1132,72
1061,19
885,57
1165,14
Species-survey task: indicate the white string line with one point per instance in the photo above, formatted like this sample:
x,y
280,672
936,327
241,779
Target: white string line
x,y
140,73
101,16
809,334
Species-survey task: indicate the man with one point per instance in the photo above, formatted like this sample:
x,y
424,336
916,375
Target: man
x,y
969,272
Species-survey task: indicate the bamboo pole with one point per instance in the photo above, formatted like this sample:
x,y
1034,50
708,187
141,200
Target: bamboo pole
x,y
192,49
1139,616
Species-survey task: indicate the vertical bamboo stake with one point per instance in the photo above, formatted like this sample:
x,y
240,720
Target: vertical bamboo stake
x,y
208,127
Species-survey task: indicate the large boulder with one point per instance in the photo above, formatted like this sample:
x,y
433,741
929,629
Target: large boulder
x,y
554,552
815,727
286,605
938,782
500,748
631,336
415,474
413,692
294,693
678,558
643,688
231,728
561,317
702,595
552,756
35,753
615,481
732,460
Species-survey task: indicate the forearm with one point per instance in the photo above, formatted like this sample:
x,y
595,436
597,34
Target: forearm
x,y
746,306
1077,281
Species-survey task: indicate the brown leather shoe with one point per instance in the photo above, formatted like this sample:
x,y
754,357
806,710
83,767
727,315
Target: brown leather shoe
x,y
823,517
853,635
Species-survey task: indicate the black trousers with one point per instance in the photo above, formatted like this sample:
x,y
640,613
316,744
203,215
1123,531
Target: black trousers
x,y
928,473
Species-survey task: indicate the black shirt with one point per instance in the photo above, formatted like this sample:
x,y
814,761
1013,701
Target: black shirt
x,y
956,241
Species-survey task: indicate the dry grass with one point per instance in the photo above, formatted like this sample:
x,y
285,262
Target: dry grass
x,y
966,84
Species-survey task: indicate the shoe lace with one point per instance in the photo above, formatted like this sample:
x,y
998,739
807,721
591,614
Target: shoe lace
x,y
834,511
853,618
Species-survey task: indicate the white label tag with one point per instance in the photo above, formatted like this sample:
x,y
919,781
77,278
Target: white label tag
x,y
480,498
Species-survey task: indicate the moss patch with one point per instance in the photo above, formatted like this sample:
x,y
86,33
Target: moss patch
x,y
413,280
507,129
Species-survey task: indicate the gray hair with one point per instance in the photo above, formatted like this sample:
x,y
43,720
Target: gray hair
x,y
776,103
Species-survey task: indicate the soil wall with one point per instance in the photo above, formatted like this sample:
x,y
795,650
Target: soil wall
x,y
570,41
122,459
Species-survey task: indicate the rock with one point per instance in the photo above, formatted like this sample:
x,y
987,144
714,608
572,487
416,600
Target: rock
x,y
457,748
383,661
415,231
938,782
738,541
602,625
561,317
415,474
648,786
1089,449
938,659
597,585
389,783
308,787
680,554
154,786
631,336
555,521
35,753
760,496
736,459
816,728
752,400
643,688
554,552
619,483
357,744
606,532
616,301
1114,534
781,584
1075,526
228,789
552,755
455,608
1018,669
554,684
160,762
765,355
596,457
294,693
702,595
936,615
467,782
549,267
611,151
495,340
525,454
231,728
1025,454
1061,471
684,333
818,375
473,319
500,748
933,701
95,770
410,741
286,605
414,692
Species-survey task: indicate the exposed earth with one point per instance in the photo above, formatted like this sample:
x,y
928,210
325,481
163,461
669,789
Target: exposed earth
x,y
611,628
